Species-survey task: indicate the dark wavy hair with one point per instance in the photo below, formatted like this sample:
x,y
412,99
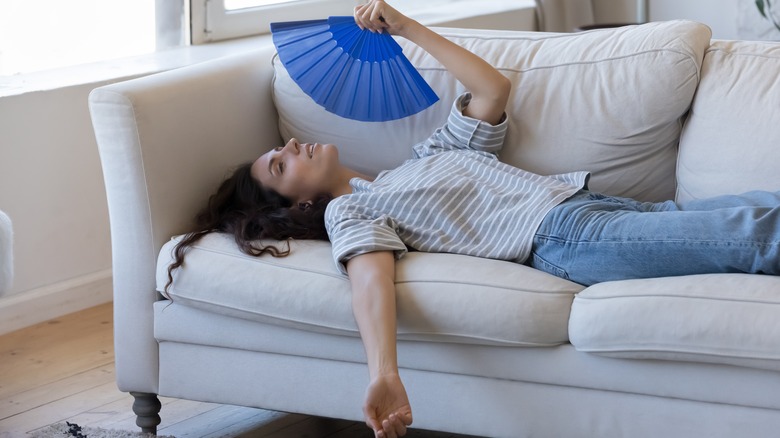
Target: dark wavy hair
x,y
242,207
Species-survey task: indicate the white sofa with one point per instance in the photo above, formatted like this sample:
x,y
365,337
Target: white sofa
x,y
487,348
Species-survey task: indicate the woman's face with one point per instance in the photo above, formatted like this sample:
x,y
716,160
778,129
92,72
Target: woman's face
x,y
299,172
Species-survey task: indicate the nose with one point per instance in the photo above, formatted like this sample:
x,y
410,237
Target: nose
x,y
292,146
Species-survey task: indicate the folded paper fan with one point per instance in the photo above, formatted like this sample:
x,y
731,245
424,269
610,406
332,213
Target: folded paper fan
x,y
354,73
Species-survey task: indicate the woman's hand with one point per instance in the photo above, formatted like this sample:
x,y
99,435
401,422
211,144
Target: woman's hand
x,y
377,16
386,409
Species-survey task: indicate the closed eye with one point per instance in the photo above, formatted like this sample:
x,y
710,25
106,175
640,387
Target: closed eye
x,y
275,162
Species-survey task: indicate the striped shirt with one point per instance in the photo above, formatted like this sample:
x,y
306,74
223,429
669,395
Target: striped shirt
x,y
454,196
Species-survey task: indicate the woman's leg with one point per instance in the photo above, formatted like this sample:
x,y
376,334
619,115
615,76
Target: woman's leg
x,y
592,238
755,198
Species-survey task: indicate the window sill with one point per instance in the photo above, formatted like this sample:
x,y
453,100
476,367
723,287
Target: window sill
x,y
125,68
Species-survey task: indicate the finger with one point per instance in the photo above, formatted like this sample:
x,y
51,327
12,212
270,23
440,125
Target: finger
x,y
360,16
356,14
398,425
378,431
363,14
376,17
368,17
388,429
373,423
376,12
365,21
407,418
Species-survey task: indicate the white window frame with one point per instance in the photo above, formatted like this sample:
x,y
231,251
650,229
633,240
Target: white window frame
x,y
211,22
172,23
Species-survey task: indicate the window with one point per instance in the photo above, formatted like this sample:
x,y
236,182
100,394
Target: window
x,y
215,20
44,34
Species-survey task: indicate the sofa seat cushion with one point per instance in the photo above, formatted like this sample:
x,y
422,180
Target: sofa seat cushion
x,y
607,101
718,318
441,297
732,131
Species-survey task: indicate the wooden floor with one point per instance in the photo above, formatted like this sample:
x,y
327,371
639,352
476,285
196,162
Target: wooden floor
x,y
63,370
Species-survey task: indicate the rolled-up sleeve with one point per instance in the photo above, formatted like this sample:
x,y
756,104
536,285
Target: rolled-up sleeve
x,y
463,132
353,230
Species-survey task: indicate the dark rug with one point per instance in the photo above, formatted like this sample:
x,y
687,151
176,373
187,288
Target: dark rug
x,y
72,430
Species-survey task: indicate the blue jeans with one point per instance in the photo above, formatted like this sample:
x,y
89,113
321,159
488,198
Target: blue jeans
x,y
590,238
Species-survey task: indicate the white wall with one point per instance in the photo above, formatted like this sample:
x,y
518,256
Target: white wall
x,y
51,187
614,11
720,15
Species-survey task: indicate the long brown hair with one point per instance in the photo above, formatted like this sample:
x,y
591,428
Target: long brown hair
x,y
248,211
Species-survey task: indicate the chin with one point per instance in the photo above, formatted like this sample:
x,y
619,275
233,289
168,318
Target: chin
x,y
331,147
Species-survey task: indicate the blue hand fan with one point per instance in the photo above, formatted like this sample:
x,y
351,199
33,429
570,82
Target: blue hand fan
x,y
354,73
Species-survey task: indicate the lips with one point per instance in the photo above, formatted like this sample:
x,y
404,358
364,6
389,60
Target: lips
x,y
310,150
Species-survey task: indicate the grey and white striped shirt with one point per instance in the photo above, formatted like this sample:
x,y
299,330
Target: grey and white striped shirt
x,y
454,196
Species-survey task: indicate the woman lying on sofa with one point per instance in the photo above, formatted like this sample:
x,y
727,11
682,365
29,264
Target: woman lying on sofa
x,y
455,196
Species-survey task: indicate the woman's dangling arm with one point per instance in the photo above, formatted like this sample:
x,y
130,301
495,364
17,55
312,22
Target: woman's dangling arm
x,y
372,277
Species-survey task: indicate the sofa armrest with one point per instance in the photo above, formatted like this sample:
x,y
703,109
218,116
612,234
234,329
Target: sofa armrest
x,y
165,143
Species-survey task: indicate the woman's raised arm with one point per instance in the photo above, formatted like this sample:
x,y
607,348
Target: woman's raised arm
x,y
489,88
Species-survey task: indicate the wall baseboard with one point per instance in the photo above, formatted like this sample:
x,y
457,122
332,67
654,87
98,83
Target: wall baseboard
x,y
38,305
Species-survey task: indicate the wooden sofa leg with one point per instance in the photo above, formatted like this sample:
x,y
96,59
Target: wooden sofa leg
x,y
147,410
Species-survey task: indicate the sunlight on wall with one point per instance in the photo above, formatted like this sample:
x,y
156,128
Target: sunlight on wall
x,y
43,34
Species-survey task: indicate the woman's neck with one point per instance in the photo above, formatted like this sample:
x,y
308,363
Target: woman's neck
x,y
343,186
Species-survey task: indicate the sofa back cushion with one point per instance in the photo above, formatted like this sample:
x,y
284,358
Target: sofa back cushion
x,y
607,101
731,140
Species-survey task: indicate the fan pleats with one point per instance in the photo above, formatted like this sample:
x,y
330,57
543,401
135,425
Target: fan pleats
x,y
357,74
